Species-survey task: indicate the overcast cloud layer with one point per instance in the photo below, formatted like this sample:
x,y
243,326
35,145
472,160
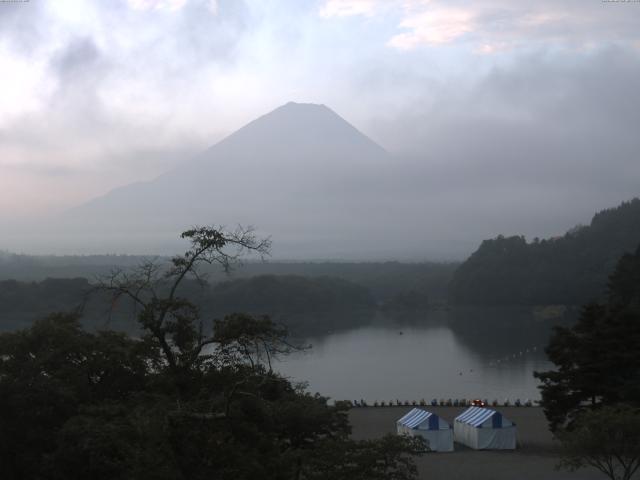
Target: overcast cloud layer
x,y
512,117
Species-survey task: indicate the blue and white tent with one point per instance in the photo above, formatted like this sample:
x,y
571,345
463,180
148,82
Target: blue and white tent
x,y
433,429
484,429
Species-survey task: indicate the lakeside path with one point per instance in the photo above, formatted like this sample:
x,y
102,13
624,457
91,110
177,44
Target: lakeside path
x,y
535,458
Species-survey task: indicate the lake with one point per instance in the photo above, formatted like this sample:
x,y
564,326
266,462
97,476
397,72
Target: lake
x,y
473,353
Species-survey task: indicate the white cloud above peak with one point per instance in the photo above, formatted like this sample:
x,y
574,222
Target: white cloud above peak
x,y
491,26
167,5
171,5
346,8
434,26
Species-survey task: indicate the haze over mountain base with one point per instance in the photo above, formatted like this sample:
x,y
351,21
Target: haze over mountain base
x,y
319,187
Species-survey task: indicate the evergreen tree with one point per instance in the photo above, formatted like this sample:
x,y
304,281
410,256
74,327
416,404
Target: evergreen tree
x,y
598,359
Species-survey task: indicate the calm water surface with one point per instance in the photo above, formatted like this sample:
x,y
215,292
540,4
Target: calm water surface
x,y
477,354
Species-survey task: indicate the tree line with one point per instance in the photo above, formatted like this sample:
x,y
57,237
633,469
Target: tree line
x,y
570,270
307,304
383,280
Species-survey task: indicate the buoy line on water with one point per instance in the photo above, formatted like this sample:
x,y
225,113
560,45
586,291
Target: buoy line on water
x,y
512,356
442,403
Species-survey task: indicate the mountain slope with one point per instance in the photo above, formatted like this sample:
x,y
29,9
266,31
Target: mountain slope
x,y
298,172
572,269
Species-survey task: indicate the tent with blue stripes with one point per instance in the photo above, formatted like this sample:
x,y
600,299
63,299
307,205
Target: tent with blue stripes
x,y
484,429
436,431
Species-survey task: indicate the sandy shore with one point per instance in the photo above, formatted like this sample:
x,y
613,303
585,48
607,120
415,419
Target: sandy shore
x,y
534,459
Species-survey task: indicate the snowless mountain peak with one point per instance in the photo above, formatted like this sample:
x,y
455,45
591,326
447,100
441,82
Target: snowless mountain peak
x,y
302,127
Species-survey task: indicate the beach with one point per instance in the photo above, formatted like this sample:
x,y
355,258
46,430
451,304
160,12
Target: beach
x,y
535,457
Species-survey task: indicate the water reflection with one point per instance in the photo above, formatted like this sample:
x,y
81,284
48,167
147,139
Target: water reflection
x,y
486,354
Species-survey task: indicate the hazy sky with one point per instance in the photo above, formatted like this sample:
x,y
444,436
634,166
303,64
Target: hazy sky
x,y
536,100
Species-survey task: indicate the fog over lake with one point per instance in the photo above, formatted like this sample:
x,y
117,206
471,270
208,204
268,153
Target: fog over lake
x,y
477,353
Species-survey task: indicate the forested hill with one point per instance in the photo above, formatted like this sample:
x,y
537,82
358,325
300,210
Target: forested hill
x,y
302,303
571,269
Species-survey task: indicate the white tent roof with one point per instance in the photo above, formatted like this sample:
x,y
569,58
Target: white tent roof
x,y
477,416
423,420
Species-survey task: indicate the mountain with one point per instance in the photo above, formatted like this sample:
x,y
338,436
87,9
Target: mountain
x,y
572,269
300,173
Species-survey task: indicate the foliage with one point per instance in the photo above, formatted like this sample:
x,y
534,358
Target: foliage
x,y
408,301
47,373
22,302
301,302
389,458
382,279
607,438
241,337
289,294
185,400
309,297
571,269
304,304
598,360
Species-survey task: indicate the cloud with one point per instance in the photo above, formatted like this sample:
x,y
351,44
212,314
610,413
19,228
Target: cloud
x,y
21,25
80,70
80,54
497,25
433,27
531,148
171,5
98,73
347,8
